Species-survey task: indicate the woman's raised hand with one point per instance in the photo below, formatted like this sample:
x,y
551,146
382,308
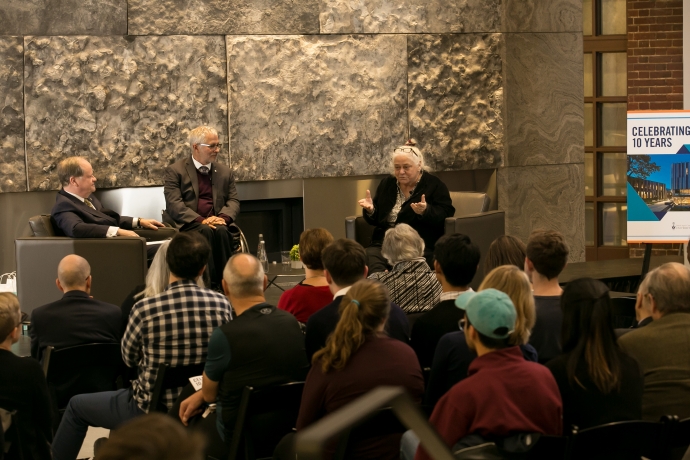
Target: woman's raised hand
x,y
367,203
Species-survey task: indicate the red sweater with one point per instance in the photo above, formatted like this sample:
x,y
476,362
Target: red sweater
x,y
304,300
503,395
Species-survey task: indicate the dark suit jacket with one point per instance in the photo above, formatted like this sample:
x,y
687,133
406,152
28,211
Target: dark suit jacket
x,y
75,319
77,220
181,188
429,225
323,322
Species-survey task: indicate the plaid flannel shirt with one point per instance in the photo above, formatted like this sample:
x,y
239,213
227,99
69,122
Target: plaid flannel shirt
x,y
173,327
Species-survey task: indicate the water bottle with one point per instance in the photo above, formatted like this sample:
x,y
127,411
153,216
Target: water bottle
x,y
261,253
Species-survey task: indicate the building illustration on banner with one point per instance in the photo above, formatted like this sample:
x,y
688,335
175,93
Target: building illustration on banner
x,y
658,176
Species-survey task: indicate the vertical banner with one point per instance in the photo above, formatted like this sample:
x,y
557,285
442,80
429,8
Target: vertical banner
x,y
658,176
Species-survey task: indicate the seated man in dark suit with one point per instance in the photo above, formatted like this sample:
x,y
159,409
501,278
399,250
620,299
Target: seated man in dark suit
x,y
345,263
455,262
76,319
200,196
78,214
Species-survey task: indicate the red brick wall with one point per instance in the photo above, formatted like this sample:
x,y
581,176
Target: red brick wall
x,y
655,55
655,68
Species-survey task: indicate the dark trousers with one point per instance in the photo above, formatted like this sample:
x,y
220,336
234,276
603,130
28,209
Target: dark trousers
x,y
220,241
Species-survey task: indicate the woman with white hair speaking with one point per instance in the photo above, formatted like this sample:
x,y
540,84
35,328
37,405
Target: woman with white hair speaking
x,y
412,284
411,196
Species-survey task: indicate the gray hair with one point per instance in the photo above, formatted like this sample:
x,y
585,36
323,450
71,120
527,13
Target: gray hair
x,y
245,283
669,285
411,152
73,270
198,135
158,275
402,242
10,315
68,168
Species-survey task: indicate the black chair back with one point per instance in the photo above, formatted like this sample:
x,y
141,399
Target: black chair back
x,y
42,225
264,416
677,439
617,441
80,369
169,378
383,423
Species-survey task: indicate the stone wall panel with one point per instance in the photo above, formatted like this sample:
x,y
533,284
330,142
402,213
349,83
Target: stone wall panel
x,y
544,94
12,166
125,103
409,16
63,17
456,99
196,17
313,106
545,197
542,16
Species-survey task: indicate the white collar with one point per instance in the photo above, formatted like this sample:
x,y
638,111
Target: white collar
x,y
198,165
342,292
80,198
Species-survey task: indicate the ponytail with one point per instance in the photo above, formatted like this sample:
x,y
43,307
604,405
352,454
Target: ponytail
x,y
362,310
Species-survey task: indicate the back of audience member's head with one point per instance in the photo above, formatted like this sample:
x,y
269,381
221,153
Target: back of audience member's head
x,y
244,276
458,258
505,250
363,310
491,314
587,333
548,252
153,437
73,273
402,242
10,315
514,282
345,260
158,275
669,286
311,243
187,255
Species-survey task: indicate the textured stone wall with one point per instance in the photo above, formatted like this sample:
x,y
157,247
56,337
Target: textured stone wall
x,y
301,88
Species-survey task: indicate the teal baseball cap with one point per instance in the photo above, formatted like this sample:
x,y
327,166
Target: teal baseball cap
x,y
491,312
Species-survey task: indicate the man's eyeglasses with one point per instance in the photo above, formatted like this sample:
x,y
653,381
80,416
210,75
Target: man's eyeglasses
x,y
211,146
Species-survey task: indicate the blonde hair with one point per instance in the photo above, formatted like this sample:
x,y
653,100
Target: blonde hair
x,y
514,282
365,306
198,134
10,315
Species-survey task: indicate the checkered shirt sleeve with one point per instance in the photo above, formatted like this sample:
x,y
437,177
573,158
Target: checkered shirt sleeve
x,y
173,327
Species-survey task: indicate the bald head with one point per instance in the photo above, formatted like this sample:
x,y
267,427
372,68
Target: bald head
x,y
244,276
669,285
73,274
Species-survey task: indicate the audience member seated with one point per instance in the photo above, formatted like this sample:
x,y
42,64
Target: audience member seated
x,y
358,358
643,309
313,293
157,279
173,327
262,346
76,319
662,347
547,254
453,354
344,262
455,263
152,437
23,389
505,250
598,382
411,196
504,395
411,283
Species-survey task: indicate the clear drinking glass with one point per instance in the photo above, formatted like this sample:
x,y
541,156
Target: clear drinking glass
x,y
285,259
